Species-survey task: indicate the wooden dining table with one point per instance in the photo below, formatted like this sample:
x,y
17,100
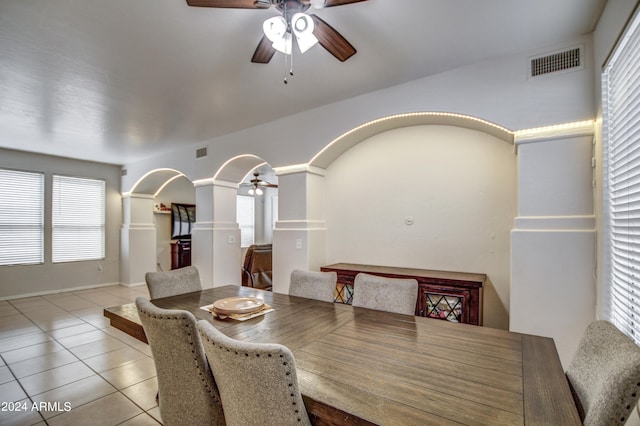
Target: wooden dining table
x,y
359,366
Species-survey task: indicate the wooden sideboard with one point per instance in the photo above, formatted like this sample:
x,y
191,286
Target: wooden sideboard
x,y
180,253
452,296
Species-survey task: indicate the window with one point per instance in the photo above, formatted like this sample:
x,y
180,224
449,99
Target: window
x,y
21,217
78,210
621,170
246,219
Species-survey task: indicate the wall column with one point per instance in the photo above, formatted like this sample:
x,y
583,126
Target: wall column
x,y
215,238
553,243
137,239
300,234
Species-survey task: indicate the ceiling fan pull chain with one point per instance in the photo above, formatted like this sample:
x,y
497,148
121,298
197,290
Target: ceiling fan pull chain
x,y
288,63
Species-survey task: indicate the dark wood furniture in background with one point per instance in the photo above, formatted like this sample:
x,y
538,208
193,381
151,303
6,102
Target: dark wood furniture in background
x,y
256,269
180,253
454,296
359,366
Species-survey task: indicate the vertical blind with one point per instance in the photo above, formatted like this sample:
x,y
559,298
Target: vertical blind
x,y
246,219
21,217
621,169
78,219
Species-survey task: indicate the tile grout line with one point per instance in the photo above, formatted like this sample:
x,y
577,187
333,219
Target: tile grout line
x,y
21,387
22,313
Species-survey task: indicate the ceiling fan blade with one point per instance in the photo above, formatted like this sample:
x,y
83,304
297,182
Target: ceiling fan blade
x,y
332,40
264,52
329,3
231,4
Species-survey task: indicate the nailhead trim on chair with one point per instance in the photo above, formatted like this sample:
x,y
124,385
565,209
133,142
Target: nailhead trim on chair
x,y
287,373
628,407
190,331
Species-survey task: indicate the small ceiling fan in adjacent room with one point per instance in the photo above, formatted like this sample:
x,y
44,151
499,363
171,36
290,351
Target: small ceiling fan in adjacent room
x,y
256,184
294,26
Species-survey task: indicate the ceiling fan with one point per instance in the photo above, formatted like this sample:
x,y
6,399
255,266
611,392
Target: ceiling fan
x,y
257,184
294,24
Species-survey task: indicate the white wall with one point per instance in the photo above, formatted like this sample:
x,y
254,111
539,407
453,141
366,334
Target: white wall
x,y
553,241
49,277
458,185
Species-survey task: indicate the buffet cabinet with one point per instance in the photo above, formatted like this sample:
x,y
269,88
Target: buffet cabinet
x,y
451,296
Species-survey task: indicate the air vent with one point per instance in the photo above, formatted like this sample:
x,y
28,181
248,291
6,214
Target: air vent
x,y
562,61
202,152
123,172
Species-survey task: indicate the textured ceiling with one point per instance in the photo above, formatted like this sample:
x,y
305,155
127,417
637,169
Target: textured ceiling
x,y
119,80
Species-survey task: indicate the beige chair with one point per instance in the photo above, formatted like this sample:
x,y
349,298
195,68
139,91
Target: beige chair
x,y
397,295
170,283
257,381
313,285
187,392
604,375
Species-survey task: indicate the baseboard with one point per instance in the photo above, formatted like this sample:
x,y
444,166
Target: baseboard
x,y
64,290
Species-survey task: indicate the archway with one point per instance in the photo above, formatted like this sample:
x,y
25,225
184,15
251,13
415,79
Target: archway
x,y
146,227
216,242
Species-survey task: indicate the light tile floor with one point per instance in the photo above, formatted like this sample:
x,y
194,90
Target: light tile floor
x,y
61,363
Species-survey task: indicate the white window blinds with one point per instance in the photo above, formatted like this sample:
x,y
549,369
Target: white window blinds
x,y
621,143
246,219
78,219
21,217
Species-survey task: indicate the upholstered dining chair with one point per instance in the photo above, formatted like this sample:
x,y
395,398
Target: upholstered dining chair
x,y
604,375
257,381
170,283
187,391
397,295
313,285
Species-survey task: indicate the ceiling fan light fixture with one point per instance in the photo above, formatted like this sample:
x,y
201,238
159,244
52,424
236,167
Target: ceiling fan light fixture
x,y
302,26
275,28
284,44
276,31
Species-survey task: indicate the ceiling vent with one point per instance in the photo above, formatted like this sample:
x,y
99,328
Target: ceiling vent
x,y
123,172
557,62
202,152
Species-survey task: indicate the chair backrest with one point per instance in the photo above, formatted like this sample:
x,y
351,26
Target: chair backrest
x,y
256,270
397,295
258,382
170,283
313,285
186,388
604,375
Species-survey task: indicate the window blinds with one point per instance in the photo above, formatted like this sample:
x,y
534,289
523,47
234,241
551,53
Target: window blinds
x,y
21,217
78,219
621,230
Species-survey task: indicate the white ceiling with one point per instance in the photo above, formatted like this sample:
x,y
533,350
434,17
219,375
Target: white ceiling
x,y
118,80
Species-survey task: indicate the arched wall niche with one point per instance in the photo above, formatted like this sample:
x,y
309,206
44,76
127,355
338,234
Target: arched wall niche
x,y
341,214
358,134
